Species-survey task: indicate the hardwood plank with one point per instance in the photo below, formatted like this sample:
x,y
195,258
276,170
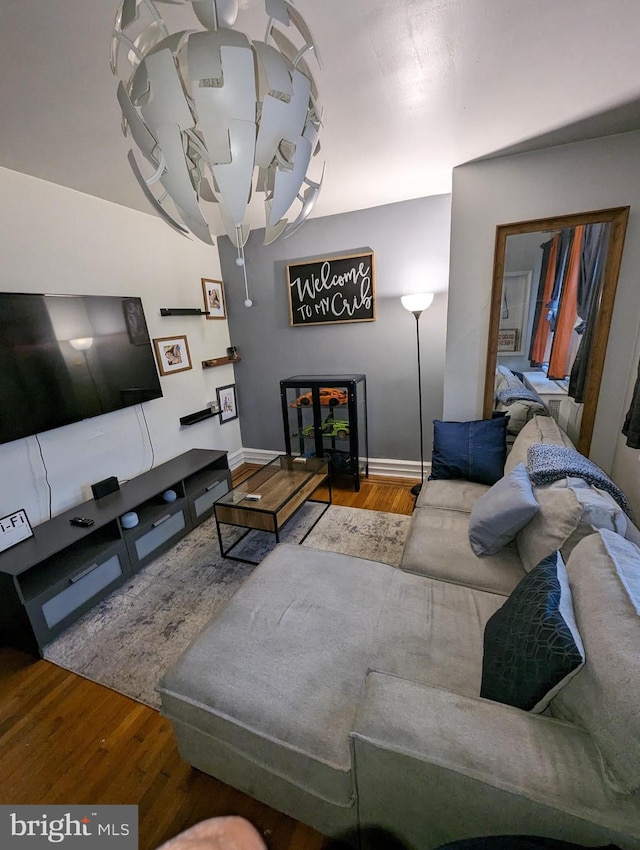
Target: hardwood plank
x,y
67,740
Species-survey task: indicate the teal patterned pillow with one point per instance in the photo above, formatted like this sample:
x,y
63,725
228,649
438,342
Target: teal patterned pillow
x,y
531,645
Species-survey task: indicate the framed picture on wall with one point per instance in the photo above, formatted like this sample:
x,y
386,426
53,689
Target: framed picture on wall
x,y
514,312
508,339
332,290
213,291
228,403
172,354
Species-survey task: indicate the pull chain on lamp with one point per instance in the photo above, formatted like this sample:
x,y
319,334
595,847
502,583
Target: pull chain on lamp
x,y
417,304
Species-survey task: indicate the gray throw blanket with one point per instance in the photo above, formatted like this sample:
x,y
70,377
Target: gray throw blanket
x,y
547,463
510,394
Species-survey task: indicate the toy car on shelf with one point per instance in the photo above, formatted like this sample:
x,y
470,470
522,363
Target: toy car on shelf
x,y
328,395
329,428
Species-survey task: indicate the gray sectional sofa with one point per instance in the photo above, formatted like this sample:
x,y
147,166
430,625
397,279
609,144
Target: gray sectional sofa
x,y
345,692
516,401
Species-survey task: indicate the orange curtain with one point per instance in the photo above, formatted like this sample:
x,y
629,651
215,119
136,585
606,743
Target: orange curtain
x,y
567,312
542,329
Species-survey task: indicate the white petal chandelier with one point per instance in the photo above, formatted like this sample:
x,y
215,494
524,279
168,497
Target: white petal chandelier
x,y
217,116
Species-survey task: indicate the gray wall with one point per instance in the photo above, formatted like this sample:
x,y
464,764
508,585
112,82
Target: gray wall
x,y
568,179
411,245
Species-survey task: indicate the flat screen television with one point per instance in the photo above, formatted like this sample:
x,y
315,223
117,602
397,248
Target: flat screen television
x,y
70,357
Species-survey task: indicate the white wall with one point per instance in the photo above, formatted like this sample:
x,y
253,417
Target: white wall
x,y
523,254
568,179
54,239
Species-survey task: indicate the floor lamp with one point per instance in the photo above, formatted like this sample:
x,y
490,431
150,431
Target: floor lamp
x,y
417,304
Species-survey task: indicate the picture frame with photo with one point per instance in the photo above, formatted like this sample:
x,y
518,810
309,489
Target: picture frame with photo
x,y
508,339
172,354
227,402
213,292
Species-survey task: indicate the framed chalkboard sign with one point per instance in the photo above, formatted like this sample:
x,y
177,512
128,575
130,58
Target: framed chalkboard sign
x,y
332,290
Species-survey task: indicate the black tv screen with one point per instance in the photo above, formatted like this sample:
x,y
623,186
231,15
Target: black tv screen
x,y
69,357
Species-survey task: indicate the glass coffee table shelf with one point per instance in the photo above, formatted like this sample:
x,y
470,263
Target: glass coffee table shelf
x,y
268,499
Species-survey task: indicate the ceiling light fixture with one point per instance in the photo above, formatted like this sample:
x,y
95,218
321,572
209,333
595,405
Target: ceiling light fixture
x,y
206,108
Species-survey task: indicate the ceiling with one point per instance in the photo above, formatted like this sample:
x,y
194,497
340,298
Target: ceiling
x,y
410,88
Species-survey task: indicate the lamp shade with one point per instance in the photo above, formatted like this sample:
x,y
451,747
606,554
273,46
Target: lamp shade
x,y
418,302
215,116
83,343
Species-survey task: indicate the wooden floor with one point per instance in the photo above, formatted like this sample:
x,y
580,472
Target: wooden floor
x,y
66,740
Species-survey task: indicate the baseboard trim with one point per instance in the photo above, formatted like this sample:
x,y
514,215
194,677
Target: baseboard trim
x,y
391,467
395,468
237,458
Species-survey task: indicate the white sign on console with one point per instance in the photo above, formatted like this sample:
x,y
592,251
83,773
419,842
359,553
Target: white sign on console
x,y
13,529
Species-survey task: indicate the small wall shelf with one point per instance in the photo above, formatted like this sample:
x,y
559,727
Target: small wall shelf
x,y
182,311
219,361
198,416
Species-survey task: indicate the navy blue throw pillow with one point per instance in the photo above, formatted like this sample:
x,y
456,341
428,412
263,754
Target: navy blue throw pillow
x,y
473,450
532,646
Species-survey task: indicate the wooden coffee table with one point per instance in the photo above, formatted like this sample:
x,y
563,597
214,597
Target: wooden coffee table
x,y
283,487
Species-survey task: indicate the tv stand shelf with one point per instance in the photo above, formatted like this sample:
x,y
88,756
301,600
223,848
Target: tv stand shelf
x,y
49,580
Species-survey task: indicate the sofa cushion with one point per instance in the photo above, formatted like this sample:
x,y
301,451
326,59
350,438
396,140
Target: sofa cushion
x,y
604,574
520,408
457,495
434,766
632,533
519,413
277,673
431,631
438,546
501,512
531,644
473,450
569,511
540,429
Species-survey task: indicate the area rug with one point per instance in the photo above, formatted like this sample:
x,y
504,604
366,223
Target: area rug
x,y
129,639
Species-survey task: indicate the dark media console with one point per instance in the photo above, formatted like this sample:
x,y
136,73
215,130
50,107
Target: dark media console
x,y
48,581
